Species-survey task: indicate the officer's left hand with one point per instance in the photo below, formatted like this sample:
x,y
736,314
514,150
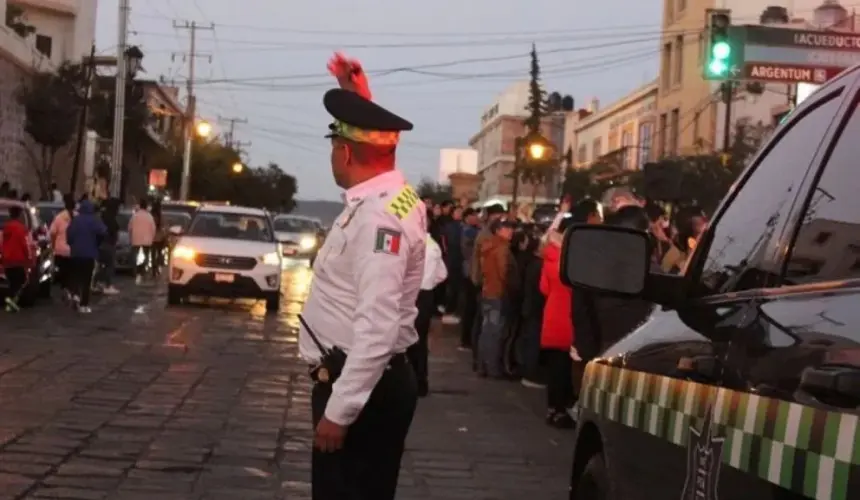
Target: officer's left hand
x,y
330,436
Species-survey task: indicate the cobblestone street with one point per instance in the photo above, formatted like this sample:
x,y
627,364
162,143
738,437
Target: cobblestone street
x,y
210,401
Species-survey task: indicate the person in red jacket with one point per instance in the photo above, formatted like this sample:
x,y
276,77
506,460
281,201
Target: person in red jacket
x,y
16,256
557,332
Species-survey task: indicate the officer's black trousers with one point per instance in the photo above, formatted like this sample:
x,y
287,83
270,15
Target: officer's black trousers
x,y
368,465
420,351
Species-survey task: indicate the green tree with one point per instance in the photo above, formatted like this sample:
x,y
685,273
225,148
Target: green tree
x,y
52,102
15,20
435,191
537,105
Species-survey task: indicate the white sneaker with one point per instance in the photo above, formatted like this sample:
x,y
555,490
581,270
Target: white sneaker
x,y
450,319
138,280
84,310
111,290
76,300
531,384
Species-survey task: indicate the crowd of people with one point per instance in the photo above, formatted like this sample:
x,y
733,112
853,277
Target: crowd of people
x,y
498,278
83,238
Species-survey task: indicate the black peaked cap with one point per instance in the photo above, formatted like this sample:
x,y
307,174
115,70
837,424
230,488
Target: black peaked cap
x,y
350,108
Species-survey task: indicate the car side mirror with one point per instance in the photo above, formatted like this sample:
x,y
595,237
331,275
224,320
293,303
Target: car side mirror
x,y
175,230
610,259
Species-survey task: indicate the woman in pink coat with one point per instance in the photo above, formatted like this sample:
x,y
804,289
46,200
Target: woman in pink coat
x,y
62,252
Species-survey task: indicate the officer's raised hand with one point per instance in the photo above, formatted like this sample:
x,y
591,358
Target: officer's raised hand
x,y
349,74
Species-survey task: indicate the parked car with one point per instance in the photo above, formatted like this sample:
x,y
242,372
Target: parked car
x,y
127,259
744,383
42,270
301,236
47,210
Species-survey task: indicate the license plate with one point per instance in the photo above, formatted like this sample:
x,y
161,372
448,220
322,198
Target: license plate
x,y
224,278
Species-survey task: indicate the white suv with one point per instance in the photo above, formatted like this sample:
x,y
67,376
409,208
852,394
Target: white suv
x,y
226,252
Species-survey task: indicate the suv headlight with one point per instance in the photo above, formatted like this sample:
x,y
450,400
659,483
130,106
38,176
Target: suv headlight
x,y
271,259
307,242
184,253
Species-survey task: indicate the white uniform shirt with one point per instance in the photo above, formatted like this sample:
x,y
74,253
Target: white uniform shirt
x,y
435,271
366,281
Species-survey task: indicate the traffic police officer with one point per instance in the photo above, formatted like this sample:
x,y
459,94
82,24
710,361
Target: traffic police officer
x,y
359,317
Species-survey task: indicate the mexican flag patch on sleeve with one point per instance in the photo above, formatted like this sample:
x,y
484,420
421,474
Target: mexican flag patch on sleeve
x,y
387,241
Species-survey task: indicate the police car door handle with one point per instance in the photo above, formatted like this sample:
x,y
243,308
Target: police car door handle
x,y
835,381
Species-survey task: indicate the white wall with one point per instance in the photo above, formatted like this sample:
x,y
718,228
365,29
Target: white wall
x,y
457,160
511,102
71,26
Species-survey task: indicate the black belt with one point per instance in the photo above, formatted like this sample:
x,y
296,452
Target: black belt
x,y
396,361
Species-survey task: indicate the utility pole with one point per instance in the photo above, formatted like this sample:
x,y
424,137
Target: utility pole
x,y
191,104
231,130
239,147
89,75
728,98
119,98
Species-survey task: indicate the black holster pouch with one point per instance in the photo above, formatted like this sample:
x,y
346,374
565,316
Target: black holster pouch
x,y
331,362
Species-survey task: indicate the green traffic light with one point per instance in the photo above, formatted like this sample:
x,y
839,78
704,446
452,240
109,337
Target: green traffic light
x,y
721,50
718,67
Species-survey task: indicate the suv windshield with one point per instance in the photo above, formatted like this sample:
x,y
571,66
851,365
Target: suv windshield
x,y
294,225
231,226
170,219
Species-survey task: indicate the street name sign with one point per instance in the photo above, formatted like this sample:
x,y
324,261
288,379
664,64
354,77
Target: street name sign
x,y
792,56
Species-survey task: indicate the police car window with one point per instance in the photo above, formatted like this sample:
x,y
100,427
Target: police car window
x,y
738,257
827,244
231,226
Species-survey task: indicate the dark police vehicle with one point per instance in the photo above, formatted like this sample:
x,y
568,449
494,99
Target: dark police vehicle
x,y
746,384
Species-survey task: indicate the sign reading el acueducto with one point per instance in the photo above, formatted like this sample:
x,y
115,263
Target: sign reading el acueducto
x,y
782,37
794,56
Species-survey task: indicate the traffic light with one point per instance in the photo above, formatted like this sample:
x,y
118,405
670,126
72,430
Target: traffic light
x,y
718,60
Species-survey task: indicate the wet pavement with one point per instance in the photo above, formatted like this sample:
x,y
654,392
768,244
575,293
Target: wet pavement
x,y
210,401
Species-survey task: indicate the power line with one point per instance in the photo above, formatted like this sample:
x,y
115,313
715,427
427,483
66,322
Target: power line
x,y
441,64
264,45
231,130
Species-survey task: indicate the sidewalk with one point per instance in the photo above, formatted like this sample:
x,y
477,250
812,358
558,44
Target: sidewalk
x,y
481,439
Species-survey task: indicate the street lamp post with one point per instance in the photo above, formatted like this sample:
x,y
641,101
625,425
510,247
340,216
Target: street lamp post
x,y
127,68
532,148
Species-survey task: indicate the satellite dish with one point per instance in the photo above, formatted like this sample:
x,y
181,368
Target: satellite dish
x,y
554,101
567,103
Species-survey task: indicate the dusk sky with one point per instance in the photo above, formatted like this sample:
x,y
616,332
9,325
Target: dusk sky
x,y
452,57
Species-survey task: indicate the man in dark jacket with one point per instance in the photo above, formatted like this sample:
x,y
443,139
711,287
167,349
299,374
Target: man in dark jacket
x,y
468,233
452,251
85,234
107,249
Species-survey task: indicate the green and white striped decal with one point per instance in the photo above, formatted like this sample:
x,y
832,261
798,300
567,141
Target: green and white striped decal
x,y
807,450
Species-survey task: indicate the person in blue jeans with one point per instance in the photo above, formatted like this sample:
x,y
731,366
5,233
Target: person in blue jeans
x,y
85,234
499,273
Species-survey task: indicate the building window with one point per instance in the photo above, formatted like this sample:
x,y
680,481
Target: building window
x,y
582,154
645,140
822,238
662,150
626,146
675,131
44,44
596,148
678,69
666,67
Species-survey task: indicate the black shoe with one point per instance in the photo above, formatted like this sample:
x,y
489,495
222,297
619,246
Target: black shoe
x,y
423,391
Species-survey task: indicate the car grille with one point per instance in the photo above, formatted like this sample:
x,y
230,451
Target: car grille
x,y
225,262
